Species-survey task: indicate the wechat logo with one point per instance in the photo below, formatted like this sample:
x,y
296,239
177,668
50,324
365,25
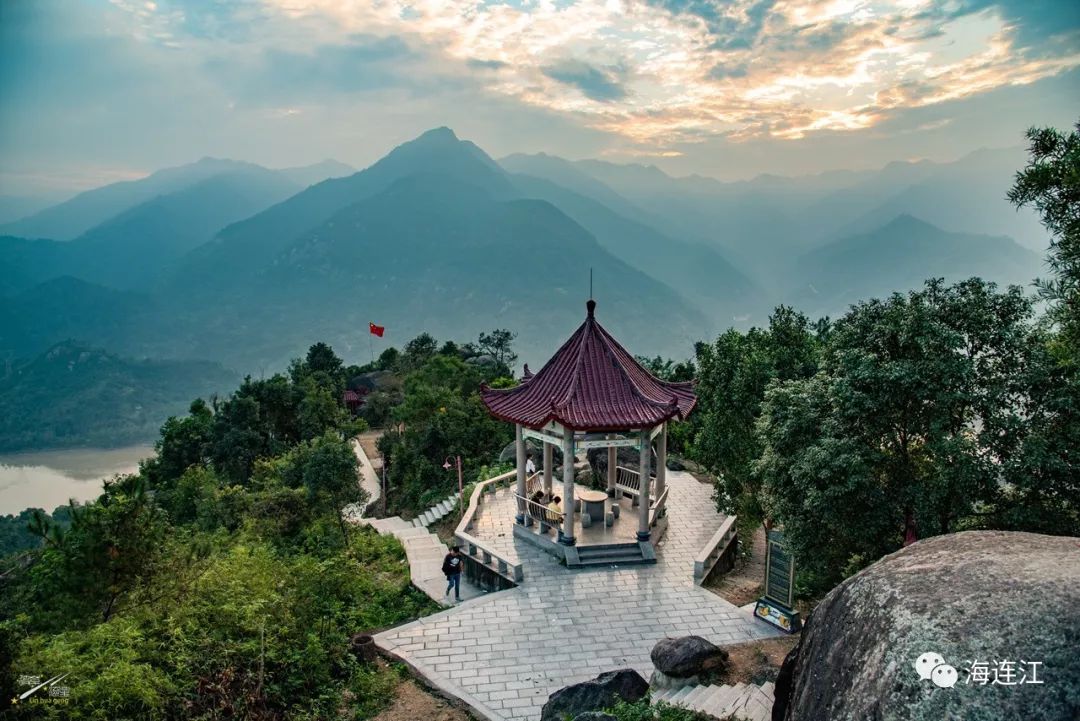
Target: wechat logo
x,y
932,667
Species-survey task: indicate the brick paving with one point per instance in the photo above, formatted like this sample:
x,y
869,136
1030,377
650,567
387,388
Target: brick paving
x,y
505,652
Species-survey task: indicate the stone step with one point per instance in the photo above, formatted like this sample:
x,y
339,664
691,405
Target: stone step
x,y
677,697
696,692
426,519
416,523
716,703
708,700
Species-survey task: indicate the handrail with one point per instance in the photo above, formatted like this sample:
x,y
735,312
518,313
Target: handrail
x,y
630,480
657,507
714,549
533,483
474,547
539,512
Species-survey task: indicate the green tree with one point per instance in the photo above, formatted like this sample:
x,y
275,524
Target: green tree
x,y
499,344
319,411
326,468
733,375
110,547
914,413
417,352
1051,183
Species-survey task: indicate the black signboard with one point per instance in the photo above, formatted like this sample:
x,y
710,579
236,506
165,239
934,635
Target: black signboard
x,y
779,572
777,606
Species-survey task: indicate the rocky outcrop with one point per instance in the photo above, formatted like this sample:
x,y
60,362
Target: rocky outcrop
x,y
596,695
983,596
687,659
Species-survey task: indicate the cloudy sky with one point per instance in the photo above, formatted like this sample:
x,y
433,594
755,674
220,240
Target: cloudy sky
x,y
93,91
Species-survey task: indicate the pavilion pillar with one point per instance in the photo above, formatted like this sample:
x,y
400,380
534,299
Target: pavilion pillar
x,y
645,461
519,443
661,462
567,535
548,463
612,460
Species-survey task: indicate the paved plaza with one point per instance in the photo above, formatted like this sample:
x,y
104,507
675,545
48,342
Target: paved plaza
x,y
505,652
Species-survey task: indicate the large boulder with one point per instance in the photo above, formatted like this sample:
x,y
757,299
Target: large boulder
x,y
596,695
687,659
986,596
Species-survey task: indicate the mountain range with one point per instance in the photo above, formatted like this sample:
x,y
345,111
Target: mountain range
x,y
243,265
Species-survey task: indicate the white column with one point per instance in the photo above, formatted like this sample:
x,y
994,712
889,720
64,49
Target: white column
x,y
643,468
548,463
519,442
568,487
661,461
612,460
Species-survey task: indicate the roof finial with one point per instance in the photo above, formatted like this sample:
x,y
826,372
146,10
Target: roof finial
x,y
590,283
590,306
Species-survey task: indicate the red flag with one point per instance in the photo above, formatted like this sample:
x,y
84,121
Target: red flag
x,y
376,329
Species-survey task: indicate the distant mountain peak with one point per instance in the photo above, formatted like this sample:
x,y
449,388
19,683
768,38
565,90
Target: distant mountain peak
x,y
441,133
907,221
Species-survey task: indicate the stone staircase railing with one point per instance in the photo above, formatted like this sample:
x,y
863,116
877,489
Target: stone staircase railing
x,y
718,547
478,554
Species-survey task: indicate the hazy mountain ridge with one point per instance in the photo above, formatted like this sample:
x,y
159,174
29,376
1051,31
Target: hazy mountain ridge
x,y
390,243
73,394
900,256
85,211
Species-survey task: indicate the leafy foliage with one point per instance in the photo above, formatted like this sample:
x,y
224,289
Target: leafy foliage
x,y
1051,183
221,580
440,416
930,412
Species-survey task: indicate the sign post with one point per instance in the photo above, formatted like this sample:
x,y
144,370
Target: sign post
x,y
777,606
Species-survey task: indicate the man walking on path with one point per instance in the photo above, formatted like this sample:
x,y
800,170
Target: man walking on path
x,y
451,567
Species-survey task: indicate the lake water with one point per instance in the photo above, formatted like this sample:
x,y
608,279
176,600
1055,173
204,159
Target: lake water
x,y
47,479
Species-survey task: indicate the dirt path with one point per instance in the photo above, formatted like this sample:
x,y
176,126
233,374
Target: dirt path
x,y
369,441
415,704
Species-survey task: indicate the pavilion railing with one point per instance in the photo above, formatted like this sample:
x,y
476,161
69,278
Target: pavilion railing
x,y
629,481
482,559
656,510
543,516
534,483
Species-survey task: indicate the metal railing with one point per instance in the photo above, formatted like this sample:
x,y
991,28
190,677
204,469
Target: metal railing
x,y
481,554
715,549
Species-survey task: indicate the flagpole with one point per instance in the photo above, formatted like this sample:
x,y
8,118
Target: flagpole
x,y
371,346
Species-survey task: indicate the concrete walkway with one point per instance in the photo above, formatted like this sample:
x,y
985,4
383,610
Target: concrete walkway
x,y
368,478
505,652
425,552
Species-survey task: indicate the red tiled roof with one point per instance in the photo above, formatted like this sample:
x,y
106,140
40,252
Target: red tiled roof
x,y
591,384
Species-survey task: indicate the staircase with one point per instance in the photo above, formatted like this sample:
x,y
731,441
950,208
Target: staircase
x,y
436,512
612,554
742,701
425,552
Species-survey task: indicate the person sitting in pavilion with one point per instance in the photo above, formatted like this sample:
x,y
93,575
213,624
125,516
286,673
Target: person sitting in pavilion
x,y
556,507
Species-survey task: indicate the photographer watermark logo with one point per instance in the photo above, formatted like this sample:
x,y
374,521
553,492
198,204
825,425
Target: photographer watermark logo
x,y
932,667
40,691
